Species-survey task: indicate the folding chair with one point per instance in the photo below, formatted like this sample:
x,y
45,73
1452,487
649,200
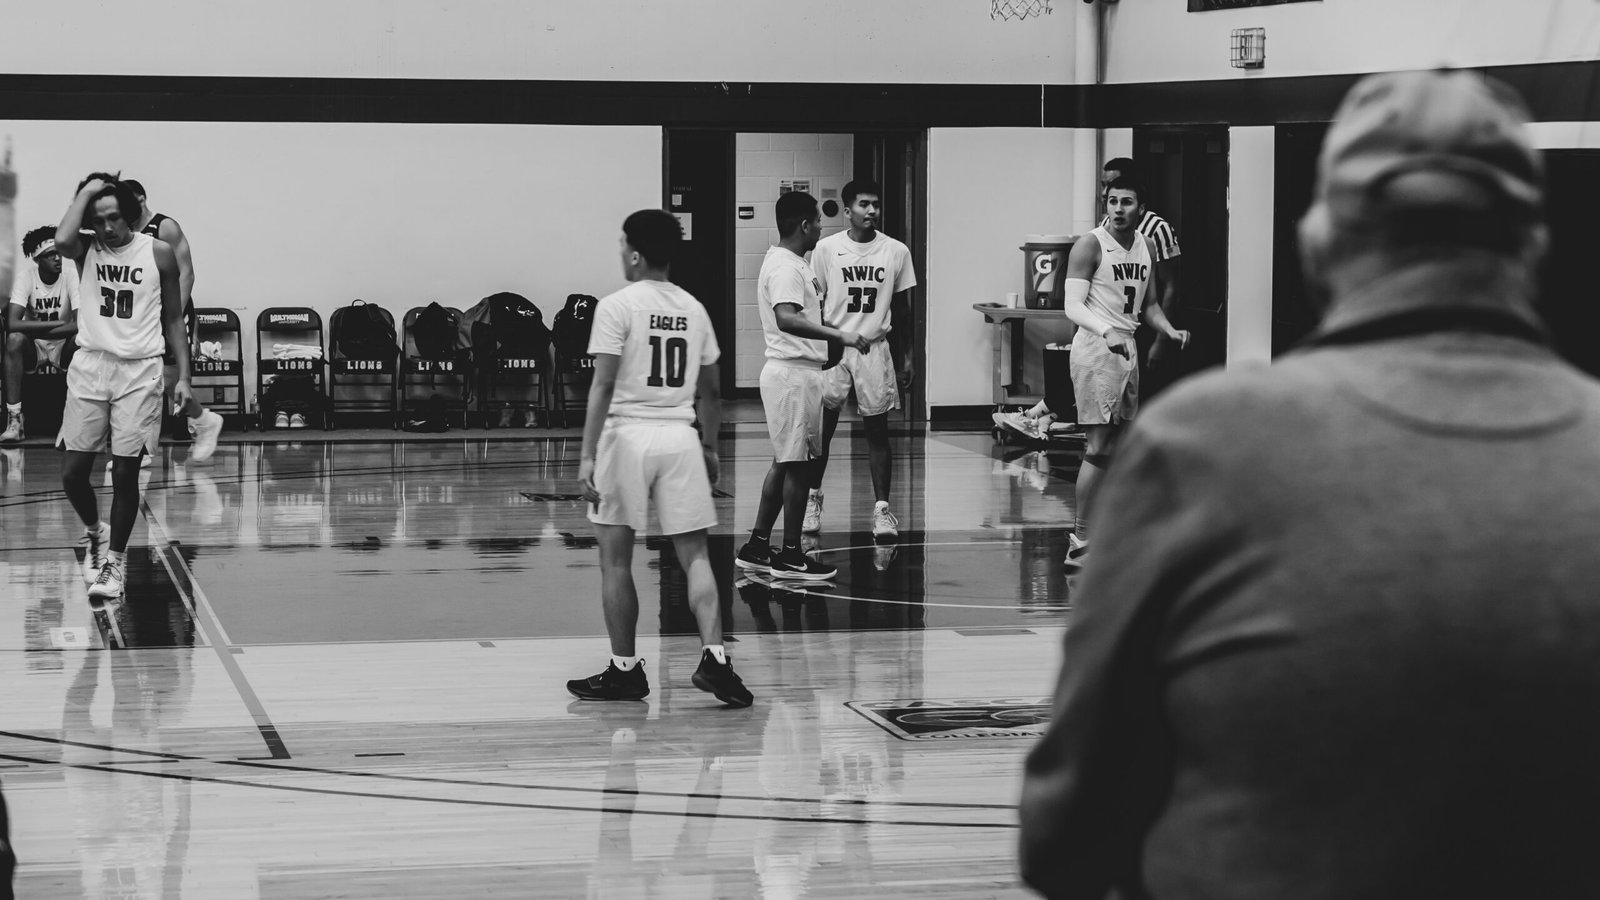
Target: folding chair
x,y
297,332
368,376
420,372
222,371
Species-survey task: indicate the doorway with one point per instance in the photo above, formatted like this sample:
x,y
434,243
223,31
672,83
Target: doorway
x,y
723,183
1566,298
1297,146
1186,170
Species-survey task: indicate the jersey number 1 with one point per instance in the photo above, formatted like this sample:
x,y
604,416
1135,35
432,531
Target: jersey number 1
x,y
116,304
676,359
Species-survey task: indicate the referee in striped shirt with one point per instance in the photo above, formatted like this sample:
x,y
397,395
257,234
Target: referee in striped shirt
x,y
1164,251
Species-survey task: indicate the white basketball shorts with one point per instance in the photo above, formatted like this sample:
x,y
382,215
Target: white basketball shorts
x,y
871,374
1104,384
640,461
109,395
792,396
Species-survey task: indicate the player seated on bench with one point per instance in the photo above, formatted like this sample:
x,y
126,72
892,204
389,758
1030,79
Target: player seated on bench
x,y
35,332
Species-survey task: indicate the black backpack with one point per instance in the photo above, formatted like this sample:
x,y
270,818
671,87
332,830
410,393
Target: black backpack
x,y
572,326
430,415
364,331
435,332
518,327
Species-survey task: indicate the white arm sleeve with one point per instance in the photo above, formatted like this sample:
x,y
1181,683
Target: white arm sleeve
x,y
1076,292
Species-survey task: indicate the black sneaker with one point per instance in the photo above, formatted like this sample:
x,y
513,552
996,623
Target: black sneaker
x,y
612,684
719,679
754,558
791,563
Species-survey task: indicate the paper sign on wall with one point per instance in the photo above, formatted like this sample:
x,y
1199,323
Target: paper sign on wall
x,y
686,222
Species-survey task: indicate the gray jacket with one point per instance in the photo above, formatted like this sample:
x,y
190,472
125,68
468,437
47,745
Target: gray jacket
x,y
1340,637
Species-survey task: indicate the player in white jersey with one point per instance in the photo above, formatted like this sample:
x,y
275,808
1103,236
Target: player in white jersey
x,y
132,310
1154,349
1110,274
207,425
862,271
655,370
36,327
789,297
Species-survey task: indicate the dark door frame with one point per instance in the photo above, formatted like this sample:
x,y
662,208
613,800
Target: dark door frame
x,y
877,153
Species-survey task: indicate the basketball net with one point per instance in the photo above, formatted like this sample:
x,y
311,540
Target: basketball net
x,y
1018,9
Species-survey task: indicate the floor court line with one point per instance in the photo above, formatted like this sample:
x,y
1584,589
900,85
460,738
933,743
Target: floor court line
x,y
206,619
503,804
476,783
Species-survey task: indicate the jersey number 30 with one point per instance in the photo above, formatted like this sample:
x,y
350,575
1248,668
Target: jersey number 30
x,y
668,368
116,304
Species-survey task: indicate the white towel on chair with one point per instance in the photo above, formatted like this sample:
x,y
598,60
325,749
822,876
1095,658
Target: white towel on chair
x,y
296,351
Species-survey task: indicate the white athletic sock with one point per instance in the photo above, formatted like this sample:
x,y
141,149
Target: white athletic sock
x,y
881,504
120,559
14,409
625,663
718,652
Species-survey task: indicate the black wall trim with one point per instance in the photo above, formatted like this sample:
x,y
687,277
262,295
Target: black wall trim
x,y
1561,91
960,418
1556,92
765,106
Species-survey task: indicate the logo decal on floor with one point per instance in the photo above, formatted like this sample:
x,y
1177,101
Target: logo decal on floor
x,y
944,720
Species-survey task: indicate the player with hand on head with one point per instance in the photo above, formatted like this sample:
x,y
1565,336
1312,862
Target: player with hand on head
x,y
132,310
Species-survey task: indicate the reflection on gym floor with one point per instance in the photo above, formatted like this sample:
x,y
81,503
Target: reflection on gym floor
x,y
338,672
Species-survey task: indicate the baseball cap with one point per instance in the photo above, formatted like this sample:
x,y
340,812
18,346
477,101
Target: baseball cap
x,y
1440,142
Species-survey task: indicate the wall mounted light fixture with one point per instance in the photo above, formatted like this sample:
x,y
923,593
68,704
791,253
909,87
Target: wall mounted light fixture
x,y
1249,46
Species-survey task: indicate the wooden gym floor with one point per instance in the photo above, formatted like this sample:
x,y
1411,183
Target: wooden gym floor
x,y
339,672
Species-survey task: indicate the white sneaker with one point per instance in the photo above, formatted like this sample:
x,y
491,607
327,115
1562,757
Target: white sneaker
x,y
207,429
108,586
13,432
884,524
281,420
813,520
95,545
13,458
296,420
1020,423
883,555
1077,551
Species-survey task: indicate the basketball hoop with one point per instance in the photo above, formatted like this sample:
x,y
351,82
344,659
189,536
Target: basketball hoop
x,y
1018,9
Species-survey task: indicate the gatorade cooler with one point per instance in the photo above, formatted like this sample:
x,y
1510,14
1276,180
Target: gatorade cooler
x,y
1044,269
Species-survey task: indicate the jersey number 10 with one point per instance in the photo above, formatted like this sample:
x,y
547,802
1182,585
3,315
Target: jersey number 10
x,y
675,358
116,304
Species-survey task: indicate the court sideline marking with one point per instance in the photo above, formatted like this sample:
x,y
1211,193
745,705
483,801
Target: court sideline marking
x,y
206,619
